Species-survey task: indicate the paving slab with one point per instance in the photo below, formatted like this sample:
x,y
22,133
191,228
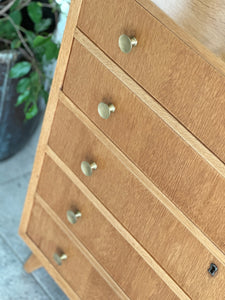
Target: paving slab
x,y
22,162
16,283
12,196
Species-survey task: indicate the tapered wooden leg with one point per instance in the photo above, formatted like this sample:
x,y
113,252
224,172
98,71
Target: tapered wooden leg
x,y
32,264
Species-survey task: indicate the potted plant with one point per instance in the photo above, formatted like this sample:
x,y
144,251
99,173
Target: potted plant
x,y
27,48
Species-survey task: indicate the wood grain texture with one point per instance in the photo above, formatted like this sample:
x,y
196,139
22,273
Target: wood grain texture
x,y
86,253
162,113
32,264
172,165
142,178
109,248
174,24
117,225
185,84
205,20
177,239
50,268
49,114
128,200
76,270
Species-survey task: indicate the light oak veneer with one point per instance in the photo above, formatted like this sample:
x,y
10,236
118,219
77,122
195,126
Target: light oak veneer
x,y
152,212
116,224
91,230
76,269
179,172
52,102
189,87
205,20
131,203
137,279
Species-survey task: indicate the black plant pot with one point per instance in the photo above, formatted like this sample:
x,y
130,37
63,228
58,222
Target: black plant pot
x,y
14,130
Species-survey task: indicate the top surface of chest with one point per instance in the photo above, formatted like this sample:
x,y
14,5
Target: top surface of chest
x,y
205,20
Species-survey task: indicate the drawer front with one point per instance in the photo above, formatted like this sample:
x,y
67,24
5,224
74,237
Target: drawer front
x,y
158,231
184,83
186,178
110,249
76,270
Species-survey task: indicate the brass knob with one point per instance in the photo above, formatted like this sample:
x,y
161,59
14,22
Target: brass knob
x,y
87,168
59,258
126,43
105,110
73,217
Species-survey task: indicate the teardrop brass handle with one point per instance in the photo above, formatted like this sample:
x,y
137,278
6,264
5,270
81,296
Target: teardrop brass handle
x,y
72,217
87,168
126,43
105,110
59,258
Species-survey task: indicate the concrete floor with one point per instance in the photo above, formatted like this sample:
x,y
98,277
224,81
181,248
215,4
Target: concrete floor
x,y
15,283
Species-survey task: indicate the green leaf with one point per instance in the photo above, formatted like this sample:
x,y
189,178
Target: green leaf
x,y
39,53
15,44
35,12
51,50
16,16
20,69
7,31
22,98
45,95
14,6
35,84
30,35
31,111
23,85
43,25
40,40
34,78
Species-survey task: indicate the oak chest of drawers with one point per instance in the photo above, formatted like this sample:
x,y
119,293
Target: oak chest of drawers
x,y
126,198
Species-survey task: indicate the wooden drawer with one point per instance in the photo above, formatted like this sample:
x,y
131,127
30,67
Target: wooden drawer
x,y
110,249
76,270
157,230
183,175
183,82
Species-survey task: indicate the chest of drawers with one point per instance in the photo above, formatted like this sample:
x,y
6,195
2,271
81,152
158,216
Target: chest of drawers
x,y
126,197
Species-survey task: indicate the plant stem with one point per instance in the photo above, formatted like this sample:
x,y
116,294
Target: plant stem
x,y
7,7
22,5
25,54
19,35
5,41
